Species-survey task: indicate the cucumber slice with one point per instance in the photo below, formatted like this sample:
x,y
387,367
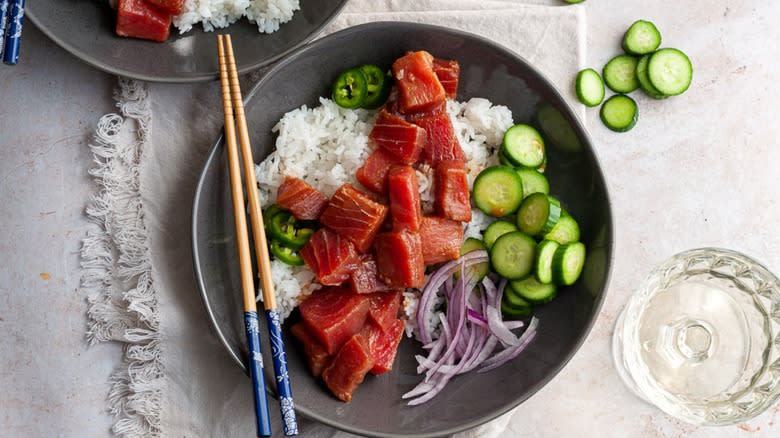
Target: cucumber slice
x,y
533,291
641,38
533,181
512,255
538,214
567,263
590,87
545,251
619,113
644,81
498,191
523,146
477,271
517,309
496,230
542,167
565,231
670,71
620,74
573,2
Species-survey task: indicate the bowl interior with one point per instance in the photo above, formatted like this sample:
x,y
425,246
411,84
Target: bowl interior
x,y
488,71
86,29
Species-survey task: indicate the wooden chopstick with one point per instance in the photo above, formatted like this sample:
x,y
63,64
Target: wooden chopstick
x,y
255,364
279,354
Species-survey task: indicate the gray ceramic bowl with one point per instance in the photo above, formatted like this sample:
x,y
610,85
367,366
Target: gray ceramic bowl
x,y
86,29
488,71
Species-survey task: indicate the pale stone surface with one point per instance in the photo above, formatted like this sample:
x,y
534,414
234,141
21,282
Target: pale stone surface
x,y
698,169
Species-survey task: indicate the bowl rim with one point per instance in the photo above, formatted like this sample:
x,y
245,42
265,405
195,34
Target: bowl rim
x,y
173,79
583,135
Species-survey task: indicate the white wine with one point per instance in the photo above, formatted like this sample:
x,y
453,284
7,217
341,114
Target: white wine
x,y
699,338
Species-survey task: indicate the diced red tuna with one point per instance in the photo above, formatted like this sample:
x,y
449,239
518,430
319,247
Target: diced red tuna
x,y
354,215
331,257
452,197
349,368
448,73
364,279
173,7
441,143
404,194
399,259
441,239
333,314
419,88
383,308
139,19
316,356
395,135
373,173
383,345
304,201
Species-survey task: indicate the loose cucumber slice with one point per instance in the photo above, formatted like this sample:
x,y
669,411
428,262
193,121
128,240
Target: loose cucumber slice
x,y
619,113
512,255
641,38
565,231
590,87
518,308
568,261
533,291
533,181
523,146
496,230
538,214
545,251
498,191
670,71
477,271
644,81
620,74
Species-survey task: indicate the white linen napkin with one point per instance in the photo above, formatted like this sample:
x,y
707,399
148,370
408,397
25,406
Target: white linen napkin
x,y
176,380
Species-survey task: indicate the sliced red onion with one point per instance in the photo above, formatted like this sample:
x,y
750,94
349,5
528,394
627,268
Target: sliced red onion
x,y
495,322
476,318
512,352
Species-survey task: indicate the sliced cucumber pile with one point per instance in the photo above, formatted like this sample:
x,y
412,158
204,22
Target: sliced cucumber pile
x,y
660,73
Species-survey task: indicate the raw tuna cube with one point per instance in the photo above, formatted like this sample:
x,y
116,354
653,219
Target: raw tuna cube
x,y
355,216
441,143
418,87
404,194
364,279
333,315
316,356
448,72
383,308
304,201
373,173
331,257
451,185
348,368
139,19
441,239
399,259
173,7
383,345
395,135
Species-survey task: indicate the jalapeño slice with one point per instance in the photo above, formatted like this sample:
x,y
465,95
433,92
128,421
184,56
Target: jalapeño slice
x,y
350,89
378,86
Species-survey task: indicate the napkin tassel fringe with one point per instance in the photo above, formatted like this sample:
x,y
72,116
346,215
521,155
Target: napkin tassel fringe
x,y
116,266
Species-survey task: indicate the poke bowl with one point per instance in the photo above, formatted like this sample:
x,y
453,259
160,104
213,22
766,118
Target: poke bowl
x,y
487,71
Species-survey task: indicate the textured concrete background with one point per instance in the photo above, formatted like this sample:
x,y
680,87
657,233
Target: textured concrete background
x,y
699,169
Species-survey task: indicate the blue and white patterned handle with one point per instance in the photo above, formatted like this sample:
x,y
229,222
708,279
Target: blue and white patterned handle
x,y
5,10
282,376
255,365
13,33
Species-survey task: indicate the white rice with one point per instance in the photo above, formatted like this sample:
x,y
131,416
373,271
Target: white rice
x,y
268,15
326,145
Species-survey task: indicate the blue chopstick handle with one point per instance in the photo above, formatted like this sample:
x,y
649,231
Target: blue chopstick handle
x,y
255,366
282,376
5,9
13,34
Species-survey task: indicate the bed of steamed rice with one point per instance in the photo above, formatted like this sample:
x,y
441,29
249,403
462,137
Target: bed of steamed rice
x,y
326,145
268,15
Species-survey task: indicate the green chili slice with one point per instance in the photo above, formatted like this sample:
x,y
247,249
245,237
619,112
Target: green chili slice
x,y
350,89
284,228
285,254
378,86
